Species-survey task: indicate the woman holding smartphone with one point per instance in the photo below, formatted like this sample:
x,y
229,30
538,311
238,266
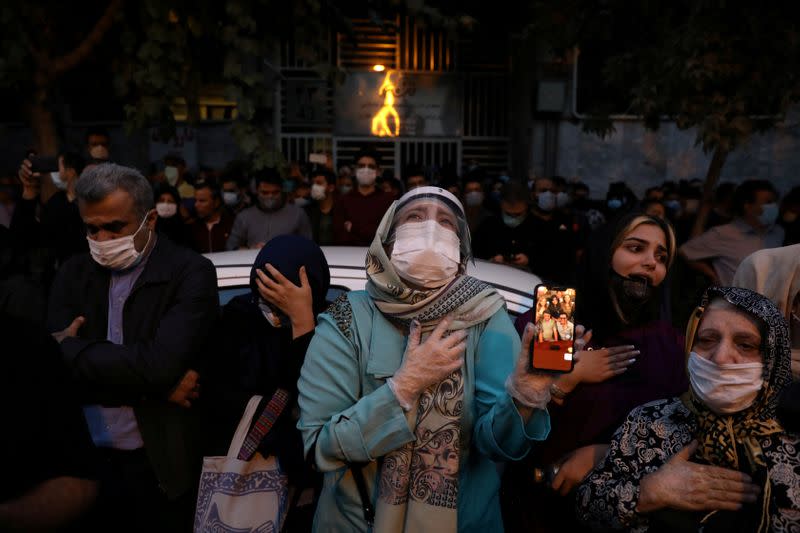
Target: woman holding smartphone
x,y
630,355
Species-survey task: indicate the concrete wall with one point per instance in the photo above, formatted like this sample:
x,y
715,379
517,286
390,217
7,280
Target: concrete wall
x,y
644,158
214,146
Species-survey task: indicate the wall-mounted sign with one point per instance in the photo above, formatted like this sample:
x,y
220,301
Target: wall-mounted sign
x,y
397,103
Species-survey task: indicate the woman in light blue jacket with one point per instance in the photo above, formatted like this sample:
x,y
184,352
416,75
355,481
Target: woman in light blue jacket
x,y
411,389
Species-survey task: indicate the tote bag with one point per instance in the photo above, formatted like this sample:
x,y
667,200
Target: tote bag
x,y
244,491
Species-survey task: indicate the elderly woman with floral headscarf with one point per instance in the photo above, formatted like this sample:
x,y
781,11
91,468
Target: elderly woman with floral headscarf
x,y
411,389
716,459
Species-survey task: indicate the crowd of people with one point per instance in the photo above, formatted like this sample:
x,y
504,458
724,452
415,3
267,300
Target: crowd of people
x,y
411,405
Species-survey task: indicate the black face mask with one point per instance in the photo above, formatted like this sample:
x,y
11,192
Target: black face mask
x,y
634,291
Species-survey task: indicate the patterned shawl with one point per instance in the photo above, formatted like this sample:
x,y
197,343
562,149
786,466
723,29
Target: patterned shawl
x,y
418,486
718,434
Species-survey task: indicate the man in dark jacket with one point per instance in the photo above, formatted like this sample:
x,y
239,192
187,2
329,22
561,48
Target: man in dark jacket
x,y
132,318
213,226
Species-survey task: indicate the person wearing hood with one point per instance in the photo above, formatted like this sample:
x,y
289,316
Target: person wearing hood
x,y
630,355
270,217
265,334
411,389
715,458
718,252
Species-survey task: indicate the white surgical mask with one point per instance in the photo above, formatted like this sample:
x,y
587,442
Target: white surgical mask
x,y
301,201
366,176
769,214
166,209
171,173
275,320
318,192
344,189
546,201
562,199
119,253
725,389
473,198
426,254
57,181
230,198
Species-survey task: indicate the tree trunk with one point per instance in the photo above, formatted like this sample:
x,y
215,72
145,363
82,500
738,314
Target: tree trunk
x,y
712,177
45,138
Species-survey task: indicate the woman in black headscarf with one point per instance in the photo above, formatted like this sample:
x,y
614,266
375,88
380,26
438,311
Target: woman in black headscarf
x,y
263,341
171,221
716,458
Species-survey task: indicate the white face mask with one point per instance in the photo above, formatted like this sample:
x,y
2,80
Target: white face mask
x,y
769,214
274,320
119,253
546,201
366,176
171,173
318,192
725,389
57,181
473,198
562,199
166,209
230,198
426,254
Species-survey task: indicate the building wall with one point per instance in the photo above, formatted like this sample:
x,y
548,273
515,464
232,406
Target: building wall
x,y
645,158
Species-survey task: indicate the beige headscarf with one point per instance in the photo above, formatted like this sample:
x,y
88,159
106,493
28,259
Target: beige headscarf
x,y
418,484
775,273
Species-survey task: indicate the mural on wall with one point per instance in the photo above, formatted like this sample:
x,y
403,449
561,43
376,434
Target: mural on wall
x,y
398,104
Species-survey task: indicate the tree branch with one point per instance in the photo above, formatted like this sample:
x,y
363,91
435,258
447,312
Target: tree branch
x,y
73,58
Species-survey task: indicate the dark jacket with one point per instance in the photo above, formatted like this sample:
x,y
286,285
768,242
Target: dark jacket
x,y
167,322
205,241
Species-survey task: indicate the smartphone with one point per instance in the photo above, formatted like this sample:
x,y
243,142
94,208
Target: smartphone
x,y
43,164
319,159
554,317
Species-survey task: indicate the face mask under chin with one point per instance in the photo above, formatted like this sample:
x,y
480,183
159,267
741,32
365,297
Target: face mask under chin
x,y
634,289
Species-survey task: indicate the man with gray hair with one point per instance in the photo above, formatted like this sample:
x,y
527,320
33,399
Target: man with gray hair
x,y
133,316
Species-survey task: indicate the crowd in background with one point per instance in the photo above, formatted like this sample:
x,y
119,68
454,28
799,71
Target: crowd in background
x,y
541,225
130,338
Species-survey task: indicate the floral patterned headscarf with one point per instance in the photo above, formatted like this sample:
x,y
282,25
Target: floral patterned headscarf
x,y
721,437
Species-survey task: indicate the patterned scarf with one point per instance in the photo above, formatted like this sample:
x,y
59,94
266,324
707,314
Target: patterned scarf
x,y
719,435
418,486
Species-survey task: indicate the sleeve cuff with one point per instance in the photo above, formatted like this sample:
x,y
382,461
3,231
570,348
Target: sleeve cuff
x,y
511,434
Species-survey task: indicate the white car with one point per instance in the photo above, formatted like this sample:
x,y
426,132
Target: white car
x,y
347,274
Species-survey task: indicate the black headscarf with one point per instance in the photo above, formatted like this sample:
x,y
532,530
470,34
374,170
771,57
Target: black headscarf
x,y
287,253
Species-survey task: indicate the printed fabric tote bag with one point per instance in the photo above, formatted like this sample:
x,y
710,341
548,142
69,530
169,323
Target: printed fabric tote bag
x,y
244,491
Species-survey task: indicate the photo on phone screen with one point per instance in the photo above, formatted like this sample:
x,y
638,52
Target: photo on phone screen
x,y
554,339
